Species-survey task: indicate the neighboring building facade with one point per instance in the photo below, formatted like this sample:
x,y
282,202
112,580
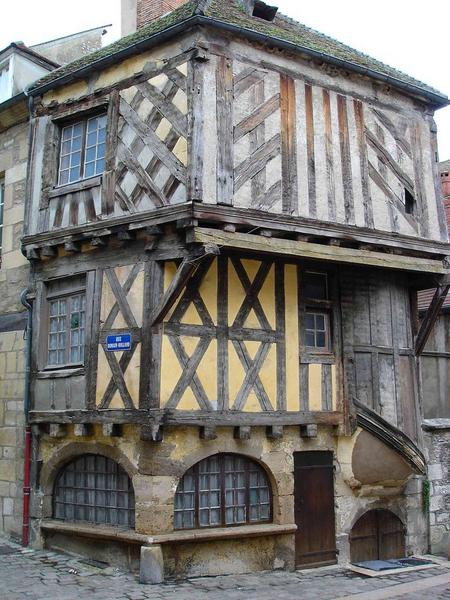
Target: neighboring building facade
x,y
19,67
436,407
229,216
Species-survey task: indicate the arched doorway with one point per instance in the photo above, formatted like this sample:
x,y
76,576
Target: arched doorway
x,y
377,535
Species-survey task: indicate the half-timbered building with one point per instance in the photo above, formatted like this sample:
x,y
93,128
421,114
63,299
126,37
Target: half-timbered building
x,y
229,216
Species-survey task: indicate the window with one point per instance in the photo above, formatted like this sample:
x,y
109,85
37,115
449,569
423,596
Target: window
x,y
66,305
82,151
316,316
223,490
2,203
409,202
96,489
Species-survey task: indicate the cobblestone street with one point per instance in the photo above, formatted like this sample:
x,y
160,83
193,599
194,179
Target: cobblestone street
x,y
37,575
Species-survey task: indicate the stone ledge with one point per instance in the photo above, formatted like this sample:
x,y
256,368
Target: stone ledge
x,y
197,535
433,424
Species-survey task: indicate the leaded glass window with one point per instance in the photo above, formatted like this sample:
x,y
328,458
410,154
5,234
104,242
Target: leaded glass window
x,y
66,322
223,490
82,150
316,312
95,489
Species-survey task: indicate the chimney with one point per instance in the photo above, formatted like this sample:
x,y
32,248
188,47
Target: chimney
x,y
137,13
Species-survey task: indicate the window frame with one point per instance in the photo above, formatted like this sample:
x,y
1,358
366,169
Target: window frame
x,y
92,492
317,306
79,118
68,287
222,456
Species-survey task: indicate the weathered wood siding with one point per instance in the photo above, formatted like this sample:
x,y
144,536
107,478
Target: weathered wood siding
x,y
225,123
378,345
435,371
286,144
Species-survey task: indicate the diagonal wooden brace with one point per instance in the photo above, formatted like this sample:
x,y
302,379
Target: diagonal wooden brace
x,y
432,314
185,271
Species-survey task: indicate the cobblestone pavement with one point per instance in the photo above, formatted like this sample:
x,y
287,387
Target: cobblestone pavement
x,y
36,575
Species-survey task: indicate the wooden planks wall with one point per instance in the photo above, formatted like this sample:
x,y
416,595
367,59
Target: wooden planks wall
x,y
380,363
435,371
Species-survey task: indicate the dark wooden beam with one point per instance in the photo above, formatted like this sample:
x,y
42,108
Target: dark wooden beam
x,y
185,271
82,429
242,433
151,433
274,432
308,431
431,315
112,430
208,432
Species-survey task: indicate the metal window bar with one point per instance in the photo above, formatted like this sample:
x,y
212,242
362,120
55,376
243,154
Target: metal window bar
x,y
94,489
222,490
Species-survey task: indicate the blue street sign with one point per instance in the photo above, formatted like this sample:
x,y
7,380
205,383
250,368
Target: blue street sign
x,y
118,343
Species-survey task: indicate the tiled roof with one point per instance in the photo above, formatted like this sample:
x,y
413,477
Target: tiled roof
x,y
232,14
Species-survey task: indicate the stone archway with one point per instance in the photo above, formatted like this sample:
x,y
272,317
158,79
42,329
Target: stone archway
x,y
378,535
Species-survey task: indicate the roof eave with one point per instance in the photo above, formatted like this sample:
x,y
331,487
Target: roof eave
x,y
434,98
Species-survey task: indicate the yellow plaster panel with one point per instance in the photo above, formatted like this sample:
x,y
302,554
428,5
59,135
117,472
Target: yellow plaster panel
x,y
159,81
163,129
292,341
268,376
208,291
116,401
180,101
132,375
122,70
267,297
75,90
191,316
236,373
334,399
315,387
170,370
207,372
180,150
135,297
235,293
103,375
183,69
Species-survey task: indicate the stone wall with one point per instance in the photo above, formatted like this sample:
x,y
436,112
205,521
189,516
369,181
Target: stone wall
x,y
156,468
438,453
13,279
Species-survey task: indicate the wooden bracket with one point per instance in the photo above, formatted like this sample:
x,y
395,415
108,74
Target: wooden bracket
x,y
274,432
242,433
33,254
57,430
48,252
71,247
82,429
112,430
208,432
431,315
308,431
152,433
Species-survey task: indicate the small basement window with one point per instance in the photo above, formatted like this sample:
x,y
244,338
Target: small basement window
x,y
409,202
264,11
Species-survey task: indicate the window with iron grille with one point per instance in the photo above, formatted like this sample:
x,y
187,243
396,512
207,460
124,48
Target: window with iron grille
x,y
95,489
223,490
82,150
66,307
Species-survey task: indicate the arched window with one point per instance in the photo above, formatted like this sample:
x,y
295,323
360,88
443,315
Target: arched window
x,y
224,489
95,489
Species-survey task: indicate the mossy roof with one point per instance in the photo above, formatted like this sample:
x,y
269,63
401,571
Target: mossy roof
x,y
232,13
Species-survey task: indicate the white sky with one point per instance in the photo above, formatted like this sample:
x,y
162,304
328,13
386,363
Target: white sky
x,y
406,34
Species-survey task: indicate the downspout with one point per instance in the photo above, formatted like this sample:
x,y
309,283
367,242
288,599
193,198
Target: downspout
x,y
26,408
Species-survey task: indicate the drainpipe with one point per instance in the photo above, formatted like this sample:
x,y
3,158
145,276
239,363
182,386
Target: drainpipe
x,y
26,407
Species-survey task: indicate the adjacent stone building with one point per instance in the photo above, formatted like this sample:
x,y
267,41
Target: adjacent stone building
x,y
436,407
19,67
229,216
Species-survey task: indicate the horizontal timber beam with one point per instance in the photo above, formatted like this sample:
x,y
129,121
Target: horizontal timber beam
x,y
298,249
197,418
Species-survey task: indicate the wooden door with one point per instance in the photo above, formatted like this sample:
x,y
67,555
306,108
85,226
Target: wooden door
x,y
377,535
315,540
